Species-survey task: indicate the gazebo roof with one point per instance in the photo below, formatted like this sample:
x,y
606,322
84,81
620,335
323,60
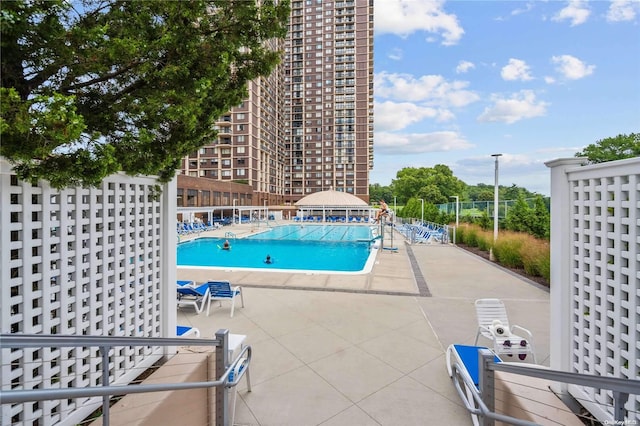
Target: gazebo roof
x,y
331,198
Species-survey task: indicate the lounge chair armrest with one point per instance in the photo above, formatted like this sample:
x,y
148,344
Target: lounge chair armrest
x,y
523,330
484,329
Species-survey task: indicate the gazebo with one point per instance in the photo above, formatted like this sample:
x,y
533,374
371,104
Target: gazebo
x,y
332,203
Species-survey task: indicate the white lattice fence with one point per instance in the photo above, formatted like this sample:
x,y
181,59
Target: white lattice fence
x,y
82,261
595,277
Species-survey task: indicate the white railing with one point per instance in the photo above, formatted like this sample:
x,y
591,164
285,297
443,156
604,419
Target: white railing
x,y
595,276
82,261
227,372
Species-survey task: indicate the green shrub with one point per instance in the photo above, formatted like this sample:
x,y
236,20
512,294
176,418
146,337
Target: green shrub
x,y
512,249
471,237
485,241
536,258
463,230
544,266
507,251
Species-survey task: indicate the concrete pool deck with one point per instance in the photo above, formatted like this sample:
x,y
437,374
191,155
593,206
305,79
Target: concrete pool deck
x,y
365,349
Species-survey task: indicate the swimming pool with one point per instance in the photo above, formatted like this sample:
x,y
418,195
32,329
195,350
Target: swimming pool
x,y
291,248
316,233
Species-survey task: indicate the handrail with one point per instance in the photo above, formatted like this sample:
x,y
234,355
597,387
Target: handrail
x,y
31,395
21,341
600,382
483,410
621,388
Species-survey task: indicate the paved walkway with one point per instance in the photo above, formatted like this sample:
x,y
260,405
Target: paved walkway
x,y
365,349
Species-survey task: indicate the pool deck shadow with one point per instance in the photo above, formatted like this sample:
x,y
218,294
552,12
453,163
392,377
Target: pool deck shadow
x,y
364,349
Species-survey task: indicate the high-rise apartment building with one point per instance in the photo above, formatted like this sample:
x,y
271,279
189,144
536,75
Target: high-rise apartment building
x,y
308,127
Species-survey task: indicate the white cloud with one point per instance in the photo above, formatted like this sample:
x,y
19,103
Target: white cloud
x,y
524,170
506,160
571,67
404,17
519,106
419,143
517,69
433,90
527,8
395,54
623,10
549,80
398,115
464,66
557,152
576,11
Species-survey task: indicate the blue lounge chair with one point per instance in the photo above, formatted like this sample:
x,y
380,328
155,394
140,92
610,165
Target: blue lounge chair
x,y
465,360
222,290
184,331
193,296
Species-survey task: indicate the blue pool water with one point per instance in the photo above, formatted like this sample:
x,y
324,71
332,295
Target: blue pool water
x,y
315,233
291,247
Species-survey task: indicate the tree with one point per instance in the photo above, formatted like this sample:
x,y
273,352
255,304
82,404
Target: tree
x,y
609,149
434,185
377,193
534,221
540,220
412,208
519,216
93,87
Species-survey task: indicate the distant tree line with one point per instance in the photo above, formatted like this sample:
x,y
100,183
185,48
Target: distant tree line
x,y
437,185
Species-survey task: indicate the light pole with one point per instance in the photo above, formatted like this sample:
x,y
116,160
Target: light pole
x,y
422,212
233,215
495,200
457,208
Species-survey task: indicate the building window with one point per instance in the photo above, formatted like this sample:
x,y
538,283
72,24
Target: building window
x,y
192,196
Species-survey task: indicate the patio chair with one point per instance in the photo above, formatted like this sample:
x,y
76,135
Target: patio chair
x,y
222,290
465,359
189,295
185,331
493,324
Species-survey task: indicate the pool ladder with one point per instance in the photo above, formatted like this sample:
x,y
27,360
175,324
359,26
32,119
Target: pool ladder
x,y
230,235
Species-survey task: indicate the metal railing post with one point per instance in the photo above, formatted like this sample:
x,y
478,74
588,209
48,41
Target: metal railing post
x,y
487,383
619,399
222,392
105,382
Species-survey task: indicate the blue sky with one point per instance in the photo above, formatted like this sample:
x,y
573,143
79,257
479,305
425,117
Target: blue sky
x,y
457,81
